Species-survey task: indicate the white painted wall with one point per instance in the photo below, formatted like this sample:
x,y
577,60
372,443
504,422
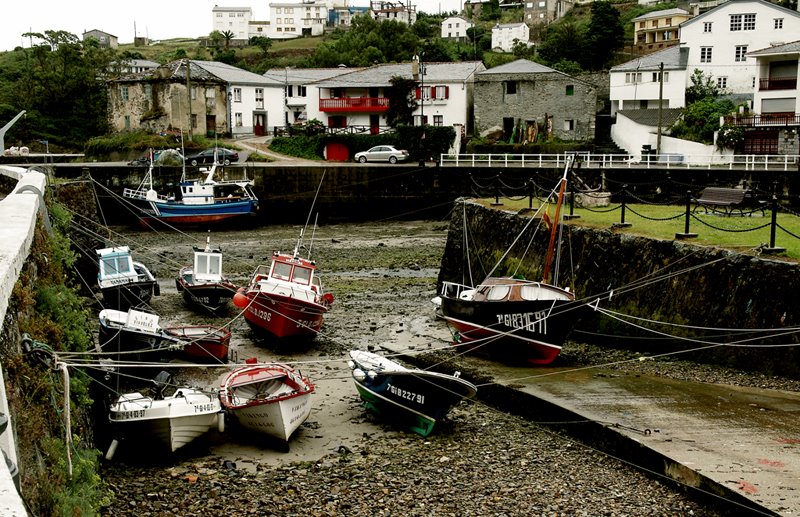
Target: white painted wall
x,y
503,36
629,95
455,27
723,42
234,19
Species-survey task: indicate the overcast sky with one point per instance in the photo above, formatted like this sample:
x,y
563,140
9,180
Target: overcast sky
x,y
156,19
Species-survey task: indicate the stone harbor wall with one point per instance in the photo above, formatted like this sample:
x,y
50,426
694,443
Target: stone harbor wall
x,y
691,297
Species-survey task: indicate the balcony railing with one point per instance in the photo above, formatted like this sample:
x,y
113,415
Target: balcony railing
x,y
785,83
355,104
765,120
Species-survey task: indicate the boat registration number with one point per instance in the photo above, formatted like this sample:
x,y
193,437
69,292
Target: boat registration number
x,y
529,321
127,415
204,408
405,394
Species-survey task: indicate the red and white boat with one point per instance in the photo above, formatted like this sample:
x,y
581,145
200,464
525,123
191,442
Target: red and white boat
x,y
285,299
271,398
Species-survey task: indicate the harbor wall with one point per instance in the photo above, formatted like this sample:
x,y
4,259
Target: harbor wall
x,y
691,297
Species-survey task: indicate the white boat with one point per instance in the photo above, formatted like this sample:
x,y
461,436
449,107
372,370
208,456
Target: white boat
x,y
171,421
272,398
123,282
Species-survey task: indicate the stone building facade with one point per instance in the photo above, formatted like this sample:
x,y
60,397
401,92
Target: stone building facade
x,y
531,102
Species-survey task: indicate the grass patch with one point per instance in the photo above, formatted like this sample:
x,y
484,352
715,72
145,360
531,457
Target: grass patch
x,y
743,234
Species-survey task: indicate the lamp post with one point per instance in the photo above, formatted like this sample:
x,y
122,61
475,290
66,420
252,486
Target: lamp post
x,y
286,99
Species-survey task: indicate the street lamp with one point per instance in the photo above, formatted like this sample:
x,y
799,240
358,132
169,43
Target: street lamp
x,y
286,98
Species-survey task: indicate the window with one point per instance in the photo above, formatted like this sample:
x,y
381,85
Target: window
x,y
127,121
238,119
194,121
148,90
642,25
654,24
705,54
193,94
570,89
569,125
745,22
259,97
741,50
237,95
707,26
633,77
511,87
438,120
441,92
278,10
656,77
669,22
778,23
722,82
736,22
749,22
125,93
301,91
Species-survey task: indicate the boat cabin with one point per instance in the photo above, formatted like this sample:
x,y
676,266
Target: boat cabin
x,y
294,270
116,267
207,265
511,289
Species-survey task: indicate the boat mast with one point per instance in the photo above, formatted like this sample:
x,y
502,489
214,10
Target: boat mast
x,y
548,263
314,202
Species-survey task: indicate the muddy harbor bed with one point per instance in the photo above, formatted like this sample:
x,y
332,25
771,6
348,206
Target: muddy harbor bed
x,y
345,462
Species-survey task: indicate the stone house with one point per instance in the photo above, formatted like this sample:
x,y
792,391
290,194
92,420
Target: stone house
x,y
219,98
105,39
530,95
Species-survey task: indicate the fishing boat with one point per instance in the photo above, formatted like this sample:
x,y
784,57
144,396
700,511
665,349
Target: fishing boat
x,y
137,335
285,299
202,284
510,316
415,399
272,398
198,201
123,282
170,422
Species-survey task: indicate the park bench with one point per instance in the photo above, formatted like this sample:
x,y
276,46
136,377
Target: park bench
x,y
728,201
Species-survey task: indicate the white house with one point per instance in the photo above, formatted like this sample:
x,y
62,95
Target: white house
x,y
295,19
720,39
505,35
637,84
776,80
455,27
299,95
254,102
384,10
360,97
233,19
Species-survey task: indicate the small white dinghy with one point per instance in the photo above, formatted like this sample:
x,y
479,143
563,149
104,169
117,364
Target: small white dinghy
x,y
272,398
172,421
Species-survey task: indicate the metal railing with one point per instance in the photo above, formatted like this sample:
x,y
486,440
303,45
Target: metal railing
x,y
619,161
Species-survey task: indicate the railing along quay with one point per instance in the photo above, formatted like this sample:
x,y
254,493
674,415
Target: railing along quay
x,y
773,162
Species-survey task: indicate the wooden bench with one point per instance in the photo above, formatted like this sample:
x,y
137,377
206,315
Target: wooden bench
x,y
728,201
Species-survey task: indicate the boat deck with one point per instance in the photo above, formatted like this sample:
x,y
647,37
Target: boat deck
x,y
739,444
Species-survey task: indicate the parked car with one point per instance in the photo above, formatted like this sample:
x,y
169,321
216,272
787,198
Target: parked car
x,y
161,157
382,153
224,157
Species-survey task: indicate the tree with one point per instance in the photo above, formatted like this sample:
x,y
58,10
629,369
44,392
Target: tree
x,y
491,11
700,119
606,34
564,41
227,36
401,101
261,42
703,87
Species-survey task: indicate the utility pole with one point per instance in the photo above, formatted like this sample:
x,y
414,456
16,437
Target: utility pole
x,y
660,98
189,95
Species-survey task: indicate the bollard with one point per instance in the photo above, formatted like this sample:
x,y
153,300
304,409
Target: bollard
x,y
686,234
622,223
773,225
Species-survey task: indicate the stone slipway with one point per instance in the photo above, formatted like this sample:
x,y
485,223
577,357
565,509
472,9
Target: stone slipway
x,y
741,446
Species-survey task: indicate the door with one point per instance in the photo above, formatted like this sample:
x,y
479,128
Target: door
x,y
211,125
259,123
374,124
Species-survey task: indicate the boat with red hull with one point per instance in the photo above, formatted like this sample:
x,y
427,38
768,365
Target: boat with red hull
x,y
285,299
510,317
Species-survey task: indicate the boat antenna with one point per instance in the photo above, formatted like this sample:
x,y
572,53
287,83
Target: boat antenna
x,y
208,241
314,231
314,202
548,263
183,159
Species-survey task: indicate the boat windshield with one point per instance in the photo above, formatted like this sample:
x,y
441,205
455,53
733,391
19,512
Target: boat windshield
x,y
498,292
282,271
116,265
302,275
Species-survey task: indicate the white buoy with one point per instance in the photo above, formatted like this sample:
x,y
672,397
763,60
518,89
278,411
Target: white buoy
x,y
221,422
112,449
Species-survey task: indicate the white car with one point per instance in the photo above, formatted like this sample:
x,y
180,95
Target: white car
x,y
382,153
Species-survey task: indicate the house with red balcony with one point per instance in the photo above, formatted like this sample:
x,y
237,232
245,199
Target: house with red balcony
x,y
771,127
359,99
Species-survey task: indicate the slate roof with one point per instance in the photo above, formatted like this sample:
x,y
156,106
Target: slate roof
x,y
649,117
661,14
732,2
520,66
230,74
674,58
380,75
306,75
793,47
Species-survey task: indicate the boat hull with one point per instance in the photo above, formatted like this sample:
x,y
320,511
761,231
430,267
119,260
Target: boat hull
x,y
172,422
271,399
178,213
134,344
210,296
128,295
533,331
283,316
204,343
414,399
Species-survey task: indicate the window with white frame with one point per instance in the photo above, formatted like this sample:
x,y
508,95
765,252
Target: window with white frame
x,y
749,22
569,125
633,77
301,91
238,118
657,77
705,54
438,120
778,23
259,97
739,55
722,82
237,95
736,22
707,26
440,92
